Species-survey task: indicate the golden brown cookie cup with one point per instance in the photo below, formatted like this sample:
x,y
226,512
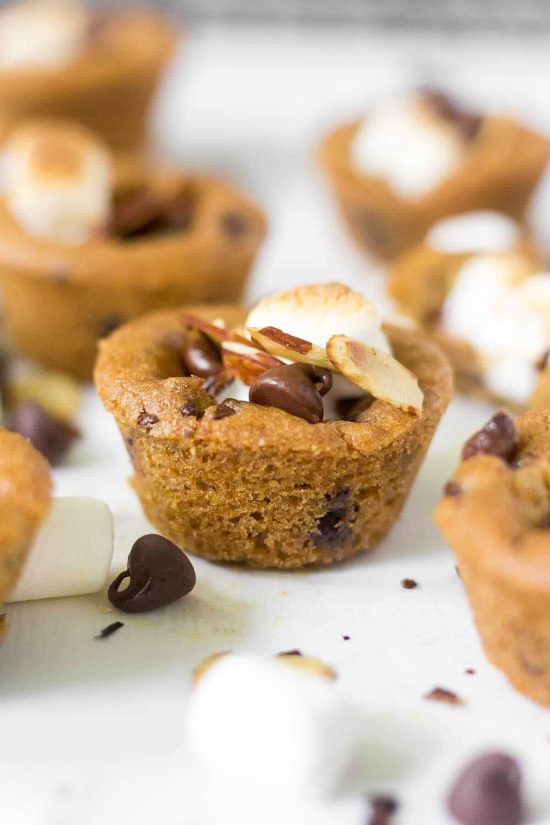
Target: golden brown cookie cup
x,y
501,169
59,299
420,281
496,521
25,491
108,88
260,486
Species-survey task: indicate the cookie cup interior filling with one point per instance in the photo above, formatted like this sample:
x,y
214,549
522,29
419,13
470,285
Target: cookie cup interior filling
x,y
243,482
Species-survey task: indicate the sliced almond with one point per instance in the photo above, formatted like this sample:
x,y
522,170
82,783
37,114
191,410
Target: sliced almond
x,y
277,342
377,372
212,329
245,362
309,664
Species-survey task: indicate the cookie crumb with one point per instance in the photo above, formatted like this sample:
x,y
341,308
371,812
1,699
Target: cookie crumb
x,y
293,652
470,671
109,630
346,638
440,694
408,584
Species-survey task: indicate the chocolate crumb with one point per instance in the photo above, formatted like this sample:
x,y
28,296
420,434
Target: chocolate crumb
x,y
452,488
109,630
498,437
223,410
439,694
382,809
408,584
294,652
346,638
146,419
470,671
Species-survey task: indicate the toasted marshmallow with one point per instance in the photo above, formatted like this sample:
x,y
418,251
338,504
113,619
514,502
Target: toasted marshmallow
x,y
57,181
42,33
505,317
471,232
71,555
263,721
408,144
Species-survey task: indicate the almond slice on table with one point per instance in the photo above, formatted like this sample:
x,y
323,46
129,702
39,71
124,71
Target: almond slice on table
x,y
246,362
377,372
277,342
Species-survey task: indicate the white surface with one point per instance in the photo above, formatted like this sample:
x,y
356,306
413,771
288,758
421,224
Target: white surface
x,y
92,731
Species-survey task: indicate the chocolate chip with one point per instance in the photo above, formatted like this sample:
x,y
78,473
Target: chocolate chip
x,y
452,488
408,584
234,224
135,213
147,420
382,809
467,123
498,437
295,388
191,408
200,356
331,530
223,410
109,630
488,792
159,573
50,436
439,694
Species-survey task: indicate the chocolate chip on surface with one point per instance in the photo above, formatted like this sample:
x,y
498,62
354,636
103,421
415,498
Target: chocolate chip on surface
x,y
200,356
439,694
109,630
332,530
50,436
382,809
159,573
191,408
223,410
135,213
488,792
452,488
294,388
498,437
147,420
408,584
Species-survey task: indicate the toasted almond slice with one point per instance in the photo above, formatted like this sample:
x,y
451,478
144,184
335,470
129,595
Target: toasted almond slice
x,y
277,342
309,664
377,372
212,329
246,362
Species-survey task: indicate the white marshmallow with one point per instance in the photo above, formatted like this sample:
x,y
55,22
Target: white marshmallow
x,y
505,318
57,181
42,33
265,721
408,145
479,231
72,552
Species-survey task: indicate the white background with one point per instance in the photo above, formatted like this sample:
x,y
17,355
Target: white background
x,y
93,731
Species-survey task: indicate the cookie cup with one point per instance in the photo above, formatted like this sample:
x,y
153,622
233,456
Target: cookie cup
x,y
260,486
108,87
495,517
500,171
60,299
25,493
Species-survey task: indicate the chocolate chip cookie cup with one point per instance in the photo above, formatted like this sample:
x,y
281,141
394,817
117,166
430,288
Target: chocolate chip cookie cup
x,y
411,163
25,492
83,254
99,68
495,516
266,482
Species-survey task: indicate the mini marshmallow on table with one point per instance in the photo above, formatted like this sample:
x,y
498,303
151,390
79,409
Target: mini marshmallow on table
x,y
274,721
57,181
71,554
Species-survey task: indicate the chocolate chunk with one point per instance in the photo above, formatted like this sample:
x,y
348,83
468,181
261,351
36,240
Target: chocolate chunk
x,y
467,123
159,573
234,224
191,408
295,388
408,584
452,488
382,809
439,694
109,630
488,792
498,437
50,436
332,530
147,420
200,356
223,410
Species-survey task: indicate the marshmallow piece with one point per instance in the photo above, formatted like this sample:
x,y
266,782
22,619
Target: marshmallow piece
x,y
264,721
480,231
57,181
42,33
409,145
72,552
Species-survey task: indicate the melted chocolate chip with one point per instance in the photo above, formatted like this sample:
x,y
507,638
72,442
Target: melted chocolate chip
x,y
467,123
159,573
498,437
295,388
331,529
200,356
408,584
488,792
50,436
223,410
147,420
382,809
109,630
452,488
234,224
